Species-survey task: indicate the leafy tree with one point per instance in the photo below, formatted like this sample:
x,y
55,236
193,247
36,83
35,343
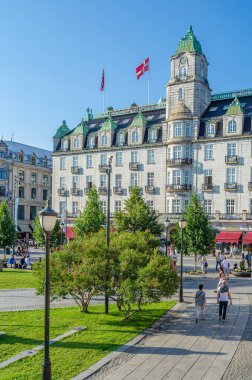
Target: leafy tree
x,y
92,218
56,235
7,228
137,215
199,234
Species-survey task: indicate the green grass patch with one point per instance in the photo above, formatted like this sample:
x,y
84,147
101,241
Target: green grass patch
x,y
16,278
105,333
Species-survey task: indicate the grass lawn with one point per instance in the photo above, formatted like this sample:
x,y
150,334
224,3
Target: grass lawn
x,y
16,278
105,333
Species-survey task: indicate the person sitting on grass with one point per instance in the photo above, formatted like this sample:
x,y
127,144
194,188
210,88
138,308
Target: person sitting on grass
x,y
12,260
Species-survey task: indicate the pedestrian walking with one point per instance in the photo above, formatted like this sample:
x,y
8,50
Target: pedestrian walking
x,y
203,265
200,303
225,265
218,262
248,258
223,296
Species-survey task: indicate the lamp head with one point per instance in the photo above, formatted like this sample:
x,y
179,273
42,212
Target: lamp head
x,y
166,222
47,218
182,223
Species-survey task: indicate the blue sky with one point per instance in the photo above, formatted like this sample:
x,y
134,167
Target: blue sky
x,y
53,51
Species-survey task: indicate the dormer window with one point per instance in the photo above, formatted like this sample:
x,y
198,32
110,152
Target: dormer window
x,y
33,160
182,72
210,130
180,94
91,141
45,162
153,135
120,138
21,157
232,126
76,142
64,144
104,140
134,137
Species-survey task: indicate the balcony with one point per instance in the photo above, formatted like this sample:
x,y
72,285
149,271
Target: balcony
x,y
75,191
103,168
87,190
231,160
103,190
150,189
171,188
179,161
250,186
62,192
134,166
132,187
118,190
207,187
231,186
75,169
91,146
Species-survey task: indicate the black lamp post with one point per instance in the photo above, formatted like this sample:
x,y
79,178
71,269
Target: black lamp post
x,y
166,223
182,225
108,171
47,220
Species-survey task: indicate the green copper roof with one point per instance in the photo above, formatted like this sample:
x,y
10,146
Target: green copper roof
x,y
81,129
235,108
189,43
61,131
139,120
108,125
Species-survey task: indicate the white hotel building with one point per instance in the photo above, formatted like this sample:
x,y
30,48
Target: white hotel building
x,y
191,140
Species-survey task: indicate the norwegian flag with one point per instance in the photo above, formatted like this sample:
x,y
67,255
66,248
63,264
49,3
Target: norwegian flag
x,y
102,81
145,66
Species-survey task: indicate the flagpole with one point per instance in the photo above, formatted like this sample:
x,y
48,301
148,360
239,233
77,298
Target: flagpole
x,y
149,82
103,100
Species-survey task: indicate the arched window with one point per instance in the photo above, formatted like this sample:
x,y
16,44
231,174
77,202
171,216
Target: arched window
x,y
76,142
134,136
210,130
153,135
104,140
180,94
231,126
182,72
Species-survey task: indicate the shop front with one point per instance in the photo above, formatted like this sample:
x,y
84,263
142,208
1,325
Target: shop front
x,y
226,239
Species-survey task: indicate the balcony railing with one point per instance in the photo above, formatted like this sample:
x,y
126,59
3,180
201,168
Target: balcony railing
x,y
179,161
103,168
231,159
150,189
118,190
184,187
62,192
134,165
75,169
231,186
215,216
207,187
75,191
103,190
87,190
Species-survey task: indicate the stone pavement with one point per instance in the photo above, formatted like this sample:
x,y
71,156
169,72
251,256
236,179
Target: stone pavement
x,y
181,349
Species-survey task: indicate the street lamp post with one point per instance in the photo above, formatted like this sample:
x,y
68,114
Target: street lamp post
x,y
108,172
62,229
182,225
47,220
166,223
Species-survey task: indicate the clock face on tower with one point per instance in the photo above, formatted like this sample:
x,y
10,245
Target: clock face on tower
x,y
183,60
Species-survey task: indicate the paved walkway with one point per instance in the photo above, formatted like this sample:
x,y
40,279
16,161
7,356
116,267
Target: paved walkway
x,y
181,349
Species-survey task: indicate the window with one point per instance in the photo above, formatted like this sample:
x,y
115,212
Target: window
x,y
187,177
20,175
177,152
231,149
209,152
231,175
187,152
150,156
210,130
150,204
250,206
33,193
33,177
62,183
230,206
89,161
176,177
103,206
45,161
150,179
118,206
134,156
119,159
188,130
208,178
91,141
180,94
2,154
208,206
182,72
104,140
103,180
75,208
62,208
168,178
186,203
21,212
21,157
134,137
75,182
104,159
75,161
21,192
89,181
231,126
3,174
118,180
45,180
76,142
64,144
2,191
120,138
62,163
33,162
33,212
153,135
176,206
45,195
177,129
133,179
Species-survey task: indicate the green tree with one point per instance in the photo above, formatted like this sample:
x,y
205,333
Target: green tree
x,y
92,218
7,228
57,236
137,215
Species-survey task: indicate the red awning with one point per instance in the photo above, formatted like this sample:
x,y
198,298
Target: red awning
x,y
247,238
228,237
69,233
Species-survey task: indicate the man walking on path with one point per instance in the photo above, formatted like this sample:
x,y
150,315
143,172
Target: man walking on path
x,y
223,296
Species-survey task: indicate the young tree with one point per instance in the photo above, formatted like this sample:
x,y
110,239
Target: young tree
x,y
7,228
92,218
137,215
56,235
